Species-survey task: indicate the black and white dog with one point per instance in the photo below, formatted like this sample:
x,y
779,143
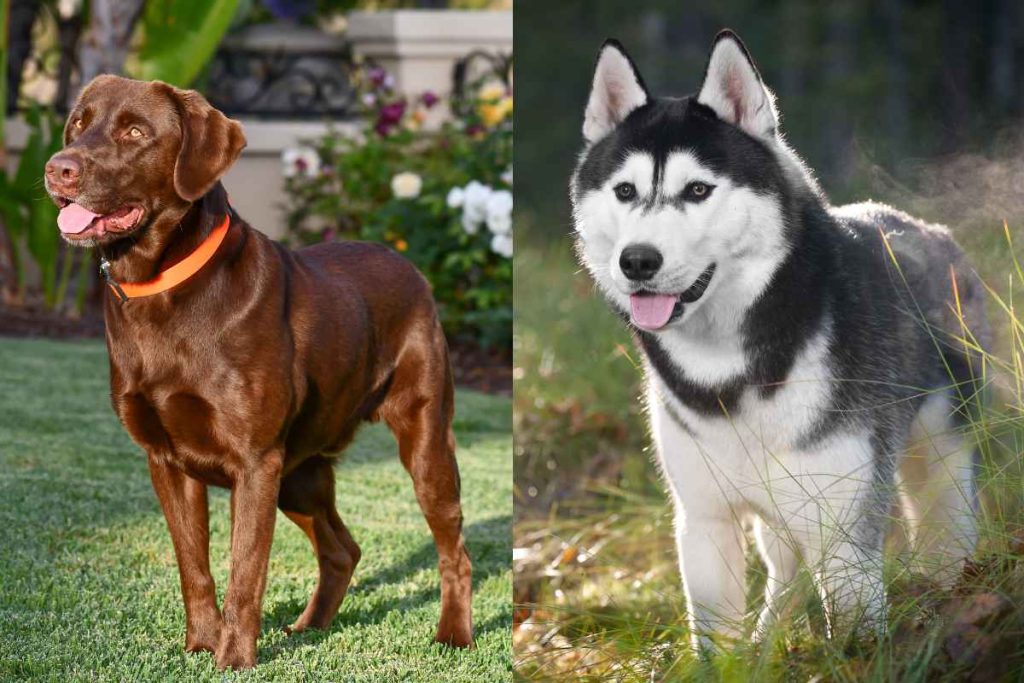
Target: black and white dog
x,y
807,366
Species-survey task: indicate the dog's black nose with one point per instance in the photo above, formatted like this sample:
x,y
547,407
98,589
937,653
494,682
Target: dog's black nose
x,y
640,261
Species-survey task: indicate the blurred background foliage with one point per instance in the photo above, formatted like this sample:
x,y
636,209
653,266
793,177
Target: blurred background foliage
x,y
865,87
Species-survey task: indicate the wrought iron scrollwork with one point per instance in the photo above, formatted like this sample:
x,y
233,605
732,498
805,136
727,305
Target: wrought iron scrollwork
x,y
291,82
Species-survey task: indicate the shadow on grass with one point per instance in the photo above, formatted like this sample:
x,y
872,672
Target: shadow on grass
x,y
489,545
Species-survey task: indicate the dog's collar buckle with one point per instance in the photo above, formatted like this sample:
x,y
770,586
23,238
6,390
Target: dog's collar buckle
x,y
105,270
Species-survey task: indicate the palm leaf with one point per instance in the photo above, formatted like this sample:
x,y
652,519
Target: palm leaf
x,y
180,38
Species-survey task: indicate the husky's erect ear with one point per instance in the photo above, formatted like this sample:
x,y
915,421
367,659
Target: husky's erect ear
x,y
733,89
617,90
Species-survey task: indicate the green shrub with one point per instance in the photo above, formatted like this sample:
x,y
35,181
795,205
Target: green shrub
x,y
442,197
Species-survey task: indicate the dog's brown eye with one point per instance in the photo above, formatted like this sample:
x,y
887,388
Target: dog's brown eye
x,y
697,191
625,192
135,132
78,124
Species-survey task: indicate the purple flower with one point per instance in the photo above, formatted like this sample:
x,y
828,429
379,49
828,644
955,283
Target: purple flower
x,y
329,234
383,127
429,99
392,113
289,9
378,76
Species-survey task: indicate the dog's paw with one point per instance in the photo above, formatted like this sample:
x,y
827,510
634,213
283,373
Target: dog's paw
x,y
303,624
203,638
460,636
235,652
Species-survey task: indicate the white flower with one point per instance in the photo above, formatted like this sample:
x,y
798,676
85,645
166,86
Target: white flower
x,y
369,99
335,23
502,245
406,185
296,160
389,81
456,196
506,177
475,196
471,226
499,212
500,225
68,8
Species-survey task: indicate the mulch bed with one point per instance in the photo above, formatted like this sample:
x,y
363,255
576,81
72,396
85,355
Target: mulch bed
x,y
26,322
485,370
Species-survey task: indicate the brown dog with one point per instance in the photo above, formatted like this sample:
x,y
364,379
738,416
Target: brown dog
x,y
237,363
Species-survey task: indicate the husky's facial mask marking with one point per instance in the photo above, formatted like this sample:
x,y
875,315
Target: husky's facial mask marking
x,y
668,190
783,369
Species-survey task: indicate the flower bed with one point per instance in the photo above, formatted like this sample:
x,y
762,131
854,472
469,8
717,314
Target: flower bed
x,y
442,198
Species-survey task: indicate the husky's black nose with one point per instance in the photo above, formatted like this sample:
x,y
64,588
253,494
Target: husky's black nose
x,y
640,261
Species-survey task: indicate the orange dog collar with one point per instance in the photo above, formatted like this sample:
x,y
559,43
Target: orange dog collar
x,y
176,274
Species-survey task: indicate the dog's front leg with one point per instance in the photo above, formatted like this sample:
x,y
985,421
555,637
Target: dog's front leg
x,y
185,507
848,572
253,511
713,564
709,537
838,509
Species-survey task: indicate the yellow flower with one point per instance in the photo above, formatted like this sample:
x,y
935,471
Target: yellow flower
x,y
495,104
401,245
492,91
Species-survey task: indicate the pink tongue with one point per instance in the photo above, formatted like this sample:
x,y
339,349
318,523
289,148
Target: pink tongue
x,y
651,311
74,218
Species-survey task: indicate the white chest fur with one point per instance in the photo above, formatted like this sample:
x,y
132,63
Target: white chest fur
x,y
754,457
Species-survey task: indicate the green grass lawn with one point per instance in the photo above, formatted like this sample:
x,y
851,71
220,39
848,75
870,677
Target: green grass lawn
x,y
596,576
89,586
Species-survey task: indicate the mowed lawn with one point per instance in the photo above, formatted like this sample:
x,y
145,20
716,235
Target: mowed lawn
x,y
88,582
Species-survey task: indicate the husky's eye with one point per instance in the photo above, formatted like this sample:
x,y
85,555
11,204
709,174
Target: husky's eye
x,y
697,191
135,132
625,192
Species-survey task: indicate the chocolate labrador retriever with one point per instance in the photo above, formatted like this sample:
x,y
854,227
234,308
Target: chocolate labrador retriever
x,y
235,362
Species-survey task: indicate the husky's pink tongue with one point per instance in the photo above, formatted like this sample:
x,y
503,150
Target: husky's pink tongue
x,y
651,311
74,218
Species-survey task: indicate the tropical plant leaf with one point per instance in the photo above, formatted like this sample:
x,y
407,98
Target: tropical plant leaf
x,y
180,38
39,228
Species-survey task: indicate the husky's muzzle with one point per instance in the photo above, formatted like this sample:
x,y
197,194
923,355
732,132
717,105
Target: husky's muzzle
x,y
653,311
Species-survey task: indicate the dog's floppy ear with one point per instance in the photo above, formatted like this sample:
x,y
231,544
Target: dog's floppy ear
x,y
210,144
618,89
733,88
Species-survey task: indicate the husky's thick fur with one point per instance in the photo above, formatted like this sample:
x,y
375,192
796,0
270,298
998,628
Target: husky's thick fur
x,y
806,364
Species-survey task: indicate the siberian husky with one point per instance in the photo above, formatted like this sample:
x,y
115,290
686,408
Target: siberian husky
x,y
808,367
